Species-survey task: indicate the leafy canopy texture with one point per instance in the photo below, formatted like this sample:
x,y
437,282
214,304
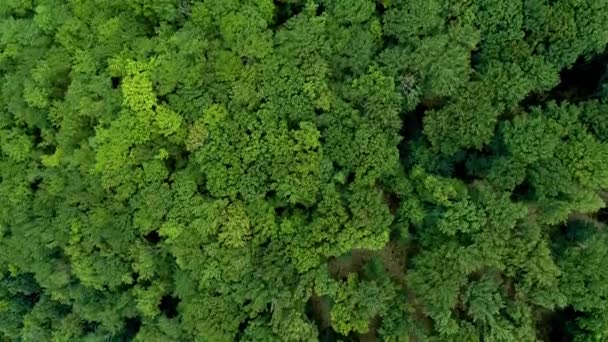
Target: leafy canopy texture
x,y
303,170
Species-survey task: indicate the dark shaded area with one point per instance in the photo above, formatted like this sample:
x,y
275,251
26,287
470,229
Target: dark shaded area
x,y
115,82
241,331
560,236
244,324
279,211
271,194
264,246
317,310
135,276
32,298
20,13
399,231
90,327
48,149
148,22
579,228
380,9
132,326
162,98
522,191
559,325
36,133
285,9
246,60
602,215
475,61
311,311
465,163
320,9
392,201
413,249
60,85
280,206
350,178
354,262
330,335
168,306
581,80
413,122
8,232
388,41
152,237
459,170
177,161
461,313
143,283
479,162
578,83
35,184
23,286
300,207
57,254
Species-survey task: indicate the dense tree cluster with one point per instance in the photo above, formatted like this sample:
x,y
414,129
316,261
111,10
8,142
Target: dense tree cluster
x,y
303,170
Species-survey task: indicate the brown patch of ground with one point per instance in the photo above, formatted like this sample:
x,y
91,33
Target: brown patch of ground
x,y
342,266
319,311
394,258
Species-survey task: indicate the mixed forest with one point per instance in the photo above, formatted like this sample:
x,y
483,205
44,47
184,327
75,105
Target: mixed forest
x,y
303,170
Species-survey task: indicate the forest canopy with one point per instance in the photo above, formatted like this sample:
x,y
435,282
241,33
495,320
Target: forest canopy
x,y
303,170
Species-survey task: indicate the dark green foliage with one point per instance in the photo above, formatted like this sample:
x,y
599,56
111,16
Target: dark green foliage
x,y
301,170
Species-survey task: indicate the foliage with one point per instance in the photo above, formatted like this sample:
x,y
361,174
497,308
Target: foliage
x,y
303,170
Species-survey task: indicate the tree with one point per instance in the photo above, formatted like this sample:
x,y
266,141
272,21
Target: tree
x,y
302,170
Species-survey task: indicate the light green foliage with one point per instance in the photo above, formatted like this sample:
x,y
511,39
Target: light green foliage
x,y
302,170
356,303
